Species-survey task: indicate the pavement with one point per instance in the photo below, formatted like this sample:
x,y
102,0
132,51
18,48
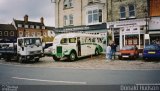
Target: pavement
x,y
92,62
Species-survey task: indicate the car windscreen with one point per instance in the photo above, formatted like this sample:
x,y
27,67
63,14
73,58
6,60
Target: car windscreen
x,y
128,48
152,47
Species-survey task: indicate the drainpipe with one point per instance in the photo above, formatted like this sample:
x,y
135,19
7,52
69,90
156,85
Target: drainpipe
x,y
81,12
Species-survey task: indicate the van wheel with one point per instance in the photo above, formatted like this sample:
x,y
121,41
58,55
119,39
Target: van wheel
x,y
72,56
37,60
20,59
7,59
96,52
55,58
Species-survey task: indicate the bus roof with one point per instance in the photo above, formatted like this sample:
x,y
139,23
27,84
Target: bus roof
x,y
72,35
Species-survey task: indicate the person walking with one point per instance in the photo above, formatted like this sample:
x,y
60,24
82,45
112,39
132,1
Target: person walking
x,y
113,50
108,52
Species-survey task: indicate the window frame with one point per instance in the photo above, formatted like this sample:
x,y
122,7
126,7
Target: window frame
x,y
1,33
94,16
12,33
131,10
5,33
122,12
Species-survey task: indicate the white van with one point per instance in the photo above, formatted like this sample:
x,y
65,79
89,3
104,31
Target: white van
x,y
75,45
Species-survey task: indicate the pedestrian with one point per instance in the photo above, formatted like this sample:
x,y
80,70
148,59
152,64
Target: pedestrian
x,y
113,49
108,52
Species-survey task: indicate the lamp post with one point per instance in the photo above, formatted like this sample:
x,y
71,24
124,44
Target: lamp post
x,y
147,37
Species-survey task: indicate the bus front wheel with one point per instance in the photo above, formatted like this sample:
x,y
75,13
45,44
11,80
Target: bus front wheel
x,y
72,56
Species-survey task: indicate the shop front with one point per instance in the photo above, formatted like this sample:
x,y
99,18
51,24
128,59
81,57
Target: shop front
x,y
154,30
91,29
128,32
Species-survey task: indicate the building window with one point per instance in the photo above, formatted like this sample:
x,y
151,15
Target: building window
x,y
70,19
27,34
19,25
26,26
0,33
65,20
32,26
131,11
20,34
43,27
94,16
39,34
122,12
68,4
6,33
33,34
37,27
12,33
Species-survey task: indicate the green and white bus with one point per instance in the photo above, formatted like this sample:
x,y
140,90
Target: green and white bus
x,y
75,45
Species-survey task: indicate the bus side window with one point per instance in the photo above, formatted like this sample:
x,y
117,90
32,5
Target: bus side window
x,y
64,41
72,40
94,40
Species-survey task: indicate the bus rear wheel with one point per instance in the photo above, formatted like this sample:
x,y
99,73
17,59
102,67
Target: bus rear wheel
x,y
72,56
55,58
96,52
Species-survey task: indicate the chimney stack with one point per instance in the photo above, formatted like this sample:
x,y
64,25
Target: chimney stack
x,y
26,18
42,20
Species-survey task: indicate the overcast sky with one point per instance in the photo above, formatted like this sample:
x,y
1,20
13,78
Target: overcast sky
x,y
35,9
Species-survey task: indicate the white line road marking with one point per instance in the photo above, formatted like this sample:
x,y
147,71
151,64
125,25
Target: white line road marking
x,y
51,81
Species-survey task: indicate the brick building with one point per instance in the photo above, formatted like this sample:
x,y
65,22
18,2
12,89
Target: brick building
x,y
7,33
127,21
26,28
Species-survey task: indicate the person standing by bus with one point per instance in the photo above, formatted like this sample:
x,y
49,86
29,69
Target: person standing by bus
x,y
108,52
113,49
79,46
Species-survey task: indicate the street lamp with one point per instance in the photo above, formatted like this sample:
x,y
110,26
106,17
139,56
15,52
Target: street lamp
x,y
147,37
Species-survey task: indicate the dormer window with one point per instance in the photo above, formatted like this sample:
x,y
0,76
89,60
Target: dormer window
x,y
32,26
11,33
37,27
43,27
19,25
6,33
26,26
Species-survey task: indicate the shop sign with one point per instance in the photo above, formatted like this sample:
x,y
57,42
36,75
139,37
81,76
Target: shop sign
x,y
131,30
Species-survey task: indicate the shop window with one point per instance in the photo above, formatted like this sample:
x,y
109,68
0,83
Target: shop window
x,y
122,12
131,11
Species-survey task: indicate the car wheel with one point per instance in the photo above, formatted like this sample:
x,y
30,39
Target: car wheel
x,y
119,57
20,60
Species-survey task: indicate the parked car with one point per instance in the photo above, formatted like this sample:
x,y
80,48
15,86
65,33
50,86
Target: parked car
x,y
151,52
128,51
